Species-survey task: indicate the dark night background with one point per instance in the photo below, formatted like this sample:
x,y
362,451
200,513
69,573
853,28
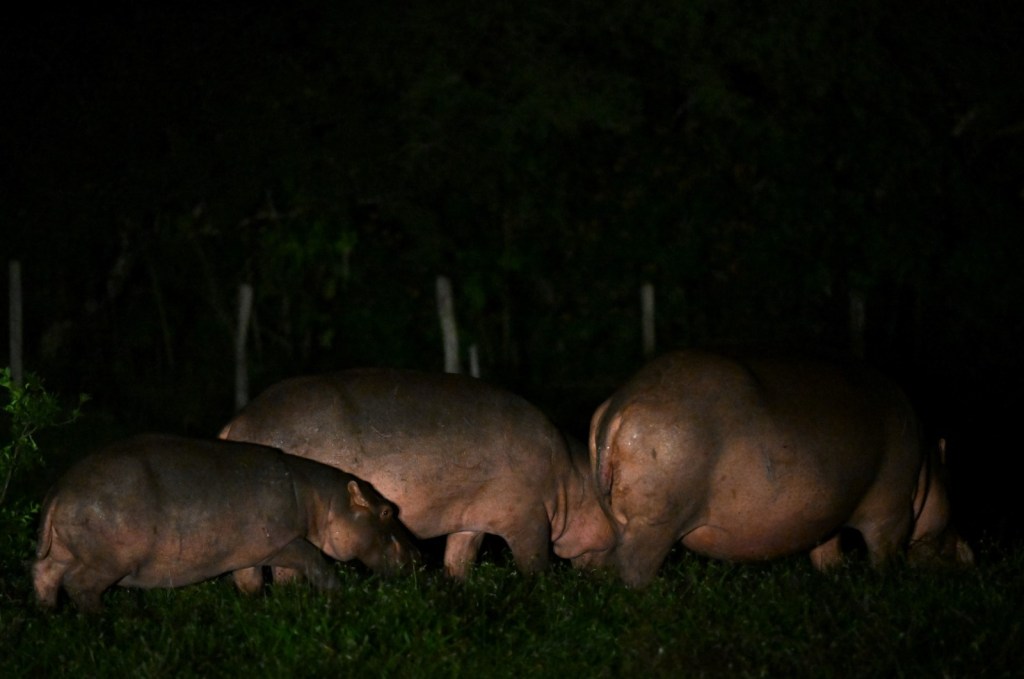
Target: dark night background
x,y
757,162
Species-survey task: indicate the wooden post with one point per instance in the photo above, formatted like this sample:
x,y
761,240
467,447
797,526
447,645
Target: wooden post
x,y
474,361
241,333
449,331
857,321
647,318
16,322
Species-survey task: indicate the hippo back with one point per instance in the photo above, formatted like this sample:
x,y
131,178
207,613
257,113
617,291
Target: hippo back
x,y
434,444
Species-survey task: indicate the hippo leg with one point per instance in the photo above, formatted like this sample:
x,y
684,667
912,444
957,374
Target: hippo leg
x,y
530,547
249,580
641,551
828,554
46,578
301,555
85,585
283,575
460,552
885,539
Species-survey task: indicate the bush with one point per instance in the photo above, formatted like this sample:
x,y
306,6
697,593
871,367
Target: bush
x,y
30,409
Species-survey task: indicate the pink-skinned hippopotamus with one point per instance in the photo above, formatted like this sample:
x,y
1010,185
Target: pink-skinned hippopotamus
x,y
165,511
457,456
755,459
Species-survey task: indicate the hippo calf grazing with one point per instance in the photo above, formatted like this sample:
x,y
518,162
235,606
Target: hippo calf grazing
x,y
751,460
162,511
459,458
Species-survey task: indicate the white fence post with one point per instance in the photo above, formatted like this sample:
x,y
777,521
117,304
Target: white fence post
x,y
647,318
449,331
241,365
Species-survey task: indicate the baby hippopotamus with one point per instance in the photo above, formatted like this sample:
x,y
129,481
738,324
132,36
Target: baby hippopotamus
x,y
165,511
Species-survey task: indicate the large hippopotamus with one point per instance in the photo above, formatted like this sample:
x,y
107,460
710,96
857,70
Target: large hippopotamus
x,y
164,511
756,459
457,456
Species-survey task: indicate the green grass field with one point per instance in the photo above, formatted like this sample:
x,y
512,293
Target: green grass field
x,y
699,618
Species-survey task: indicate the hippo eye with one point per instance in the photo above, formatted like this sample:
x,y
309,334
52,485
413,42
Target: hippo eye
x,y
385,513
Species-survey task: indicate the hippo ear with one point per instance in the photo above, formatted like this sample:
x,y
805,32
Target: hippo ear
x,y
355,495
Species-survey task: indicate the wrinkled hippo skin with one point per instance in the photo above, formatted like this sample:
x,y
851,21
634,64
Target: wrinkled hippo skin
x,y
457,456
757,459
163,511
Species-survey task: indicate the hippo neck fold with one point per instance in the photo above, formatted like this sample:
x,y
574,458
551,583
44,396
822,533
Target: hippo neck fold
x,y
313,499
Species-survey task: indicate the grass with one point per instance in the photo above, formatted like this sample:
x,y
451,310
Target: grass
x,y
699,618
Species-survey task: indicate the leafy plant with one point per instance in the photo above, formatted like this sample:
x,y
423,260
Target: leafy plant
x,y
31,409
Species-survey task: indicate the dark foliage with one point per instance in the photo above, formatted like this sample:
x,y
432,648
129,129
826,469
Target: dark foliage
x,y
756,162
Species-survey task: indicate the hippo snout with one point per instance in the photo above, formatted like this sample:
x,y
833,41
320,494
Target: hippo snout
x,y
596,560
400,555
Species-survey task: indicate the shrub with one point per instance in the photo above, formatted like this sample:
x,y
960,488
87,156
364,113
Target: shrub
x,y
30,409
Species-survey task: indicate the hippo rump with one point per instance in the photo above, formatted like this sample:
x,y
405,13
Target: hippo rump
x,y
756,459
457,456
164,511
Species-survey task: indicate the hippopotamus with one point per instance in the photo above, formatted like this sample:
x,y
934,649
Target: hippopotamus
x,y
164,511
755,459
458,456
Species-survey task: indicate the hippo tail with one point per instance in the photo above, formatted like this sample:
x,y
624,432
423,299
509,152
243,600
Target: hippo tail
x,y
931,501
932,509
45,540
602,433
924,481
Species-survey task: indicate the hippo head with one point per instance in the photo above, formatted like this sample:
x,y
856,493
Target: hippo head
x,y
595,561
361,524
587,537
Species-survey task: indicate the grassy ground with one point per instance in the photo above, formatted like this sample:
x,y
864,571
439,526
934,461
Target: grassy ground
x,y
700,618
